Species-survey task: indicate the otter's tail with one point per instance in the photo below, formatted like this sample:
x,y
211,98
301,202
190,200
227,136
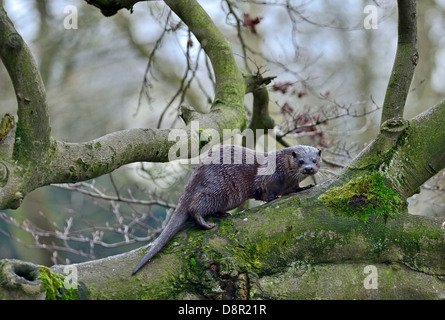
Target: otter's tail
x,y
174,225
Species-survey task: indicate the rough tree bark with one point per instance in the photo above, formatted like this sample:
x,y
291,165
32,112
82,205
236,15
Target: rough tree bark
x,y
315,244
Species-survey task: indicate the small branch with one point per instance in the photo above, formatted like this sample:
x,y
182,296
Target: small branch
x,y
146,83
96,193
239,33
310,121
229,87
184,83
261,118
227,111
256,84
404,64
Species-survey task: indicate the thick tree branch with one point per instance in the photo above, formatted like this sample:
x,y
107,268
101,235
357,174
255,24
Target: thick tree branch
x,y
297,234
73,162
419,154
33,129
405,62
408,153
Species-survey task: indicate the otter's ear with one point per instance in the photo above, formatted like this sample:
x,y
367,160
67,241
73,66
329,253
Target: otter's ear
x,y
294,154
319,151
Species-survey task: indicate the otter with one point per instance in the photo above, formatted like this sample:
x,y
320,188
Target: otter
x,y
229,175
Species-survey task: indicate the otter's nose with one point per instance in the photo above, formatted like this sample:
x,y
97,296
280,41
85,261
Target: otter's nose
x,y
309,170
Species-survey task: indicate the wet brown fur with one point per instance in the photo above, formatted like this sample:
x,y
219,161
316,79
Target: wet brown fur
x,y
219,184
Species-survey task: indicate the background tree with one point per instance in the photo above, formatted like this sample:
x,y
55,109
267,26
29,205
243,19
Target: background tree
x,y
373,175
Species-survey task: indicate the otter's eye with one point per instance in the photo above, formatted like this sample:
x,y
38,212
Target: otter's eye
x,y
301,162
314,160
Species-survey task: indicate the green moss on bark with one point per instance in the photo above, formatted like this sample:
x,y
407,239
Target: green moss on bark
x,y
53,284
364,196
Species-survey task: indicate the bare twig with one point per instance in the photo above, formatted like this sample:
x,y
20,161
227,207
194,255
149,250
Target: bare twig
x,y
96,193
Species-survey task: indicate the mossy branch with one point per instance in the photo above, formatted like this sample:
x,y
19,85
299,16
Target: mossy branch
x,y
404,63
419,153
406,152
33,129
292,233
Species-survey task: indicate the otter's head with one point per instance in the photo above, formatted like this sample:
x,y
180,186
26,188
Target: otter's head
x,y
306,160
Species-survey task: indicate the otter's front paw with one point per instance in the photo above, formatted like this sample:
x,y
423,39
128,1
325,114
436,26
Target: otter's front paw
x,y
209,226
298,189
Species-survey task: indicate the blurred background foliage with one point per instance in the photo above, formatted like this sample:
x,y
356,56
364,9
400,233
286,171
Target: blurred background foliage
x,y
136,69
